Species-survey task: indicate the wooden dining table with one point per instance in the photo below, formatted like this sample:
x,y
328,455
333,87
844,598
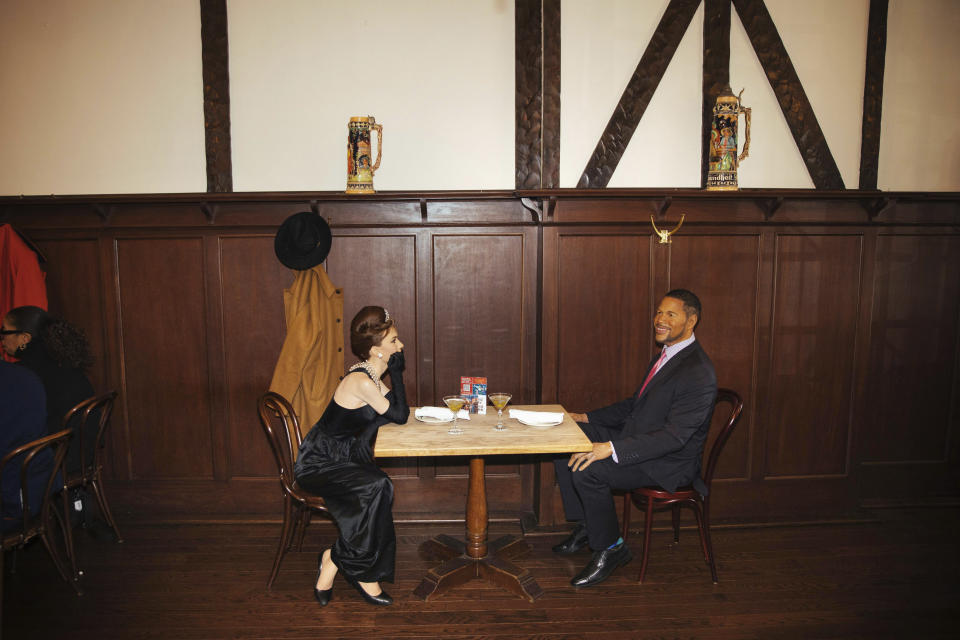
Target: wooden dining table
x,y
475,556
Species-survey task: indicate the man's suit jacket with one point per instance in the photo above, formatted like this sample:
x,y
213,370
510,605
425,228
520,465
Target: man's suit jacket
x,y
663,430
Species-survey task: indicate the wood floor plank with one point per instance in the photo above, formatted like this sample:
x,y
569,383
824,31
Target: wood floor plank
x,y
895,576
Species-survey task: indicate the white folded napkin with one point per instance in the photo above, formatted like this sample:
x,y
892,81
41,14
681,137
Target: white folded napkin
x,y
440,413
542,417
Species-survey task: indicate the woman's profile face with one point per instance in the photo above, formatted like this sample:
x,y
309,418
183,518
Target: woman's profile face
x,y
12,339
389,345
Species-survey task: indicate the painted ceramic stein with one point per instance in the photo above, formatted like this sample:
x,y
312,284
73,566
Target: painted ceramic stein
x,y
360,169
723,163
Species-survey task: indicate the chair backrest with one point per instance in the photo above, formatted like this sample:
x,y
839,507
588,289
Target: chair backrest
x,y
91,414
28,454
283,430
736,408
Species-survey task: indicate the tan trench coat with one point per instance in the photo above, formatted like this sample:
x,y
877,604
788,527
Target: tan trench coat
x,y
311,361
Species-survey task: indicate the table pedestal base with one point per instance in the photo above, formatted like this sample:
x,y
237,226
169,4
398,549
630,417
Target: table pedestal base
x,y
494,567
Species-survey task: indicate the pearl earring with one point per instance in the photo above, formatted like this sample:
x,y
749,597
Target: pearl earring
x,y
380,355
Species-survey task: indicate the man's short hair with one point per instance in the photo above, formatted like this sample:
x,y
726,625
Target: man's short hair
x,y
691,303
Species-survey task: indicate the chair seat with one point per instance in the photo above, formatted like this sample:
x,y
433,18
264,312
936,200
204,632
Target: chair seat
x,y
661,494
308,499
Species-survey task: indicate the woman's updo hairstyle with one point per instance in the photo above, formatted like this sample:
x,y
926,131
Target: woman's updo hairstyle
x,y
66,344
368,329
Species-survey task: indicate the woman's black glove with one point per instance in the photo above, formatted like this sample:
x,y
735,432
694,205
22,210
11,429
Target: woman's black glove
x,y
398,411
396,364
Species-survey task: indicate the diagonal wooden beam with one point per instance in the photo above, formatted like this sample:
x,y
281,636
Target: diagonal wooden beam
x,y
716,70
789,91
216,94
873,94
550,147
633,103
528,52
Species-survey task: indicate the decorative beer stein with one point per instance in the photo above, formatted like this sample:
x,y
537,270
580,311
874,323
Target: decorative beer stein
x,y
723,164
359,169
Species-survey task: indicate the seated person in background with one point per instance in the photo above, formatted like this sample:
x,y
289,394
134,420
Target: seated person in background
x,y
653,438
59,354
336,461
22,420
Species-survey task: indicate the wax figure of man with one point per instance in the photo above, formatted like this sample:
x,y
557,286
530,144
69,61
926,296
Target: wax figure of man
x,y
653,438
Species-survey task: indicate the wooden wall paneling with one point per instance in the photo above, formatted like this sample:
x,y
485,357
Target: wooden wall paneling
x,y
374,268
254,326
603,316
216,357
724,271
913,359
74,293
808,408
164,338
479,322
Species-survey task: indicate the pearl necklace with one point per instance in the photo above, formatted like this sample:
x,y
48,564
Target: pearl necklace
x,y
366,366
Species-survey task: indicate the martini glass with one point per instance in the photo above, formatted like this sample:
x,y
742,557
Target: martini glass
x,y
454,403
499,400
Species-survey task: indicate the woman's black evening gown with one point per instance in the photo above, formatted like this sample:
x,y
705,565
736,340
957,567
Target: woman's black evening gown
x,y
336,463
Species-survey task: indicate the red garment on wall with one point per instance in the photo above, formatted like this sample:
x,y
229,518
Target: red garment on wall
x,y
22,282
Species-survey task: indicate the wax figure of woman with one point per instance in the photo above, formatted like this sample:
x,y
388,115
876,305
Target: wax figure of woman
x,y
59,354
336,461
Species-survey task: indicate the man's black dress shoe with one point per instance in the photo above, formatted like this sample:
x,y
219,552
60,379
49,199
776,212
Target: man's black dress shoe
x,y
602,565
323,596
574,542
382,599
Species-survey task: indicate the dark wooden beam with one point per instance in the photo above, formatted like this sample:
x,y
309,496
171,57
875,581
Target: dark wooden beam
x,y
873,94
793,100
528,49
633,103
216,94
551,94
716,70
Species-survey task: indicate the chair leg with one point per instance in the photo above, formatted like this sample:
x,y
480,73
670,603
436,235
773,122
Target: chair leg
x,y
647,528
703,522
676,522
286,533
68,534
625,529
97,485
55,555
305,515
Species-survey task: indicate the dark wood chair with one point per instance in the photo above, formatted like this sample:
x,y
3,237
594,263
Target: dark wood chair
x,y
93,413
283,431
34,525
650,498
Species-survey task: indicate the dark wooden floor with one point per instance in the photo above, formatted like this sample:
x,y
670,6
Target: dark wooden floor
x,y
897,576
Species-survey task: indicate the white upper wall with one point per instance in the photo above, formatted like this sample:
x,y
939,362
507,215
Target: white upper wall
x,y
100,96
438,75
103,96
920,136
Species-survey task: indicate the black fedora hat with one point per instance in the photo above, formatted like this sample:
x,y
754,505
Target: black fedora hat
x,y
303,240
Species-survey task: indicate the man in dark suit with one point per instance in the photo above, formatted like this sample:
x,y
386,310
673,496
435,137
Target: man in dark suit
x,y
653,438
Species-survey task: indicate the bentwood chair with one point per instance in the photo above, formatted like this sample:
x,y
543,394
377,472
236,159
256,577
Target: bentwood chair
x,y
92,414
650,498
283,431
33,525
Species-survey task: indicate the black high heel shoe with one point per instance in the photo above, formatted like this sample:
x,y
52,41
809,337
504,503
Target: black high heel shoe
x,y
381,600
323,596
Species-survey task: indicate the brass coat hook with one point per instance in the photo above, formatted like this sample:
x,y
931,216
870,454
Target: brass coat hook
x,y
665,235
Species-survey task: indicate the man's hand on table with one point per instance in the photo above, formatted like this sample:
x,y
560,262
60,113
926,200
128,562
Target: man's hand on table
x,y
578,417
580,461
